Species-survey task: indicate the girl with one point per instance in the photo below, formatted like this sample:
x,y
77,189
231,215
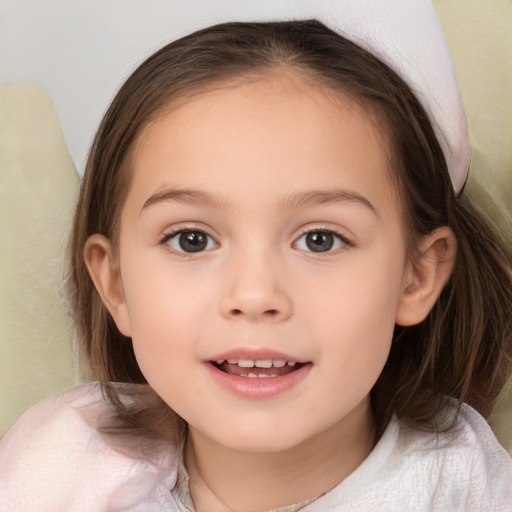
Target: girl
x,y
286,298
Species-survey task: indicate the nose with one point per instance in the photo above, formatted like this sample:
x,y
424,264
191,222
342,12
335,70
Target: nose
x,y
255,290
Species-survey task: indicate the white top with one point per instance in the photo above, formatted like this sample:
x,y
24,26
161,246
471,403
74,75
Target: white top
x,y
54,459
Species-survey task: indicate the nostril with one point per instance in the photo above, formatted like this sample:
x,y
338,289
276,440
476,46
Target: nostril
x,y
268,312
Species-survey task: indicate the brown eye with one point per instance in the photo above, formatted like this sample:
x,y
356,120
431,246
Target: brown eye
x,y
320,241
193,241
190,241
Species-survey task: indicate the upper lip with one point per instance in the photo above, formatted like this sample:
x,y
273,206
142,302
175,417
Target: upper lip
x,y
254,354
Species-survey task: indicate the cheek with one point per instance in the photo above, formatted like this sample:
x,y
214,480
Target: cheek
x,y
357,314
362,294
159,293
162,317
164,336
168,309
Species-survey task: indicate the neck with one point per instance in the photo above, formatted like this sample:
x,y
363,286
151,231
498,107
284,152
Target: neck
x,y
227,480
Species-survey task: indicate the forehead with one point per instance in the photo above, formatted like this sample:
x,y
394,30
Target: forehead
x,y
281,131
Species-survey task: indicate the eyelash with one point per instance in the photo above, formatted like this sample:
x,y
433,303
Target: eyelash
x,y
344,241
179,231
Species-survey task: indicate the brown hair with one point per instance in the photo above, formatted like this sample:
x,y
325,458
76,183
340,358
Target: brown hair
x,y
461,351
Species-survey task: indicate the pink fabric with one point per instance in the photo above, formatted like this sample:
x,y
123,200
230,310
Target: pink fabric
x,y
55,460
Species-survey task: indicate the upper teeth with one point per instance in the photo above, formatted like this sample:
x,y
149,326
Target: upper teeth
x,y
259,363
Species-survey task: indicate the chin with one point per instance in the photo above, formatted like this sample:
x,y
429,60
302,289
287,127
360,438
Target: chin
x,y
256,437
262,444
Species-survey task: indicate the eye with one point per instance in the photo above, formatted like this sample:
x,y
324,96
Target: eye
x,y
320,241
189,241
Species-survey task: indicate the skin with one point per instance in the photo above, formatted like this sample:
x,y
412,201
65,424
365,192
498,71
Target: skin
x,y
261,151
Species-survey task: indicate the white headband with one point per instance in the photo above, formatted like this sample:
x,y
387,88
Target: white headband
x,y
405,34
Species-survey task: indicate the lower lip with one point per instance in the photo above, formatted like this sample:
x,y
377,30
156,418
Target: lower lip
x,y
258,387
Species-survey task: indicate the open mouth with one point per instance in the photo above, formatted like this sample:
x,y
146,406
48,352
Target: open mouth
x,y
264,368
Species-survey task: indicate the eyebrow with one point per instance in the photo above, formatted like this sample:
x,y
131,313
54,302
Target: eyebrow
x,y
188,196
295,201
320,197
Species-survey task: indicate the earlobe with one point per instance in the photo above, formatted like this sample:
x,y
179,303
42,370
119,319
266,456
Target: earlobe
x,y
426,276
103,268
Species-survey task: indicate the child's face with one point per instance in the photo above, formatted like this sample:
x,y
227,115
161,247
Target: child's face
x,y
262,225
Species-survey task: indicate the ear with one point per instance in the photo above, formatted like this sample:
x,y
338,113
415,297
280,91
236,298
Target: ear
x,y
102,264
426,276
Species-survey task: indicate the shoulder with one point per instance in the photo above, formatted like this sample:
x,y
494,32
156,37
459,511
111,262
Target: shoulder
x,y
475,454
41,450
466,468
57,420
56,457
